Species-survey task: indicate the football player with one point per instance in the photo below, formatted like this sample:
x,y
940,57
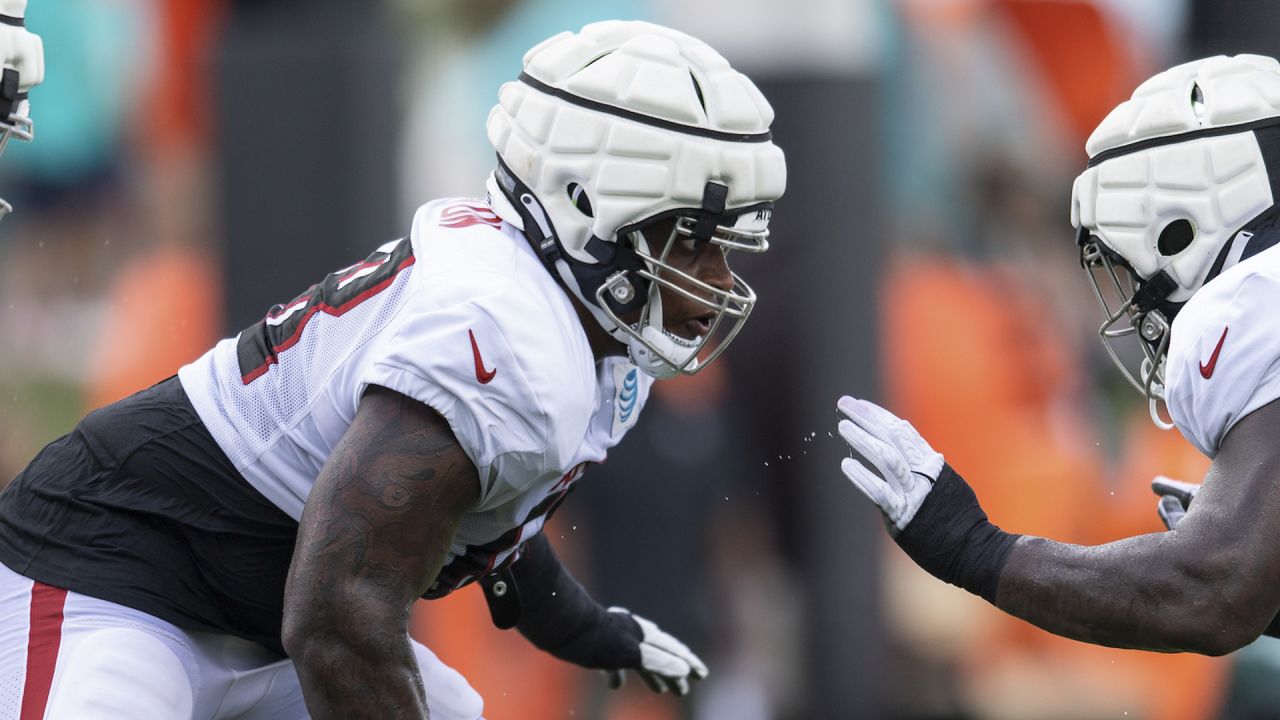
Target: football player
x,y
248,537
1178,225
21,68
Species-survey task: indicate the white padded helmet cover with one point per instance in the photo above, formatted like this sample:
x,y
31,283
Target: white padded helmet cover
x,y
632,170
1218,182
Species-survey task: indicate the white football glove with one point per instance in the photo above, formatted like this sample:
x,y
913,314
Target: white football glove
x,y
665,662
1175,499
907,467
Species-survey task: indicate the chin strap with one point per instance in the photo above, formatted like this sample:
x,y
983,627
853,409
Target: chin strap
x,y
614,264
1153,293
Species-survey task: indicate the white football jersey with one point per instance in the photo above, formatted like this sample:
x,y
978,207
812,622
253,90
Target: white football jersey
x,y
462,316
1224,351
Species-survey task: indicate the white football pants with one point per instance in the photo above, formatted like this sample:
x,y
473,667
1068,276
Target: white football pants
x,y
66,656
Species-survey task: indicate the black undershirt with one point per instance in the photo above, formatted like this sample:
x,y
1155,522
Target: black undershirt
x,y
139,506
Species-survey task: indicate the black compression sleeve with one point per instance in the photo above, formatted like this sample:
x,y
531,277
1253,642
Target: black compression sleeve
x,y
558,616
952,539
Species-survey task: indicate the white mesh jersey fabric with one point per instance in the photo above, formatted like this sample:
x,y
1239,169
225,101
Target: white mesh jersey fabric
x,y
15,614
278,428
474,327
1224,351
11,681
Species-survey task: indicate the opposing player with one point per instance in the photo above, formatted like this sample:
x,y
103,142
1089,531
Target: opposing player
x,y
405,426
21,68
1178,223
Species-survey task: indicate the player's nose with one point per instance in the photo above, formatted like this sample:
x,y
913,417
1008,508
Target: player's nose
x,y
712,268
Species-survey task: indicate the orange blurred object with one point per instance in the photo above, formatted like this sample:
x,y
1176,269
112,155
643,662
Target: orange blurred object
x,y
178,109
970,359
165,310
1080,59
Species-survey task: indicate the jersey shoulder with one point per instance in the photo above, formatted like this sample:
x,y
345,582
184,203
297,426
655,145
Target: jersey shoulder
x,y
463,234
1224,351
490,341
472,264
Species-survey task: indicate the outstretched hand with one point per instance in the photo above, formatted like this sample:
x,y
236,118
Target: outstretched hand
x,y
932,513
905,467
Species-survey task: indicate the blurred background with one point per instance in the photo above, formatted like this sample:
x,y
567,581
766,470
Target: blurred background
x,y
197,161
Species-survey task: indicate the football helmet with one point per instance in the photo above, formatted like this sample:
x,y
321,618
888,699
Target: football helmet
x,y
1179,187
22,60
614,132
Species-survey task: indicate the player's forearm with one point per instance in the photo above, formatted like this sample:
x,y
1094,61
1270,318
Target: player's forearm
x,y
1151,592
1193,589
354,672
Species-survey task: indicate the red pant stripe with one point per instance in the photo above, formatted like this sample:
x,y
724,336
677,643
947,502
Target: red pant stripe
x,y
43,640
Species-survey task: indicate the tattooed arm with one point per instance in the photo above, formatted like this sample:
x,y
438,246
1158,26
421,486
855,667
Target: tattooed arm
x,y
375,530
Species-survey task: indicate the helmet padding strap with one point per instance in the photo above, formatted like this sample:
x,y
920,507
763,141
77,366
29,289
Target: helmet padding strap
x,y
1154,291
714,198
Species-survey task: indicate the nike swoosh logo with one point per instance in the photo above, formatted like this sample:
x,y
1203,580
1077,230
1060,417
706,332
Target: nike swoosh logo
x,y
1206,369
484,376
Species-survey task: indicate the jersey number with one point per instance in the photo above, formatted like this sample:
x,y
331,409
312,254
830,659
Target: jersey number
x,y
259,346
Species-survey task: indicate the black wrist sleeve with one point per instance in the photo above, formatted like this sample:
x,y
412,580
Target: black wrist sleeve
x,y
952,539
558,616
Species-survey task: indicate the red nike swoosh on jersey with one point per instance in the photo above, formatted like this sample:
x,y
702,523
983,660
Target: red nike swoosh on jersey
x,y
1206,369
484,376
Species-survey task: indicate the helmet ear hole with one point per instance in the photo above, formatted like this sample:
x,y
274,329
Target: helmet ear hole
x,y
578,196
1175,237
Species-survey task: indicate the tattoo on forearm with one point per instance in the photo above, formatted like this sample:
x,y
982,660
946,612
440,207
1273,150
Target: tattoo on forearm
x,y
375,531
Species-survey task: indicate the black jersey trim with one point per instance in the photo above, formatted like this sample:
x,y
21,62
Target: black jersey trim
x,y
259,347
